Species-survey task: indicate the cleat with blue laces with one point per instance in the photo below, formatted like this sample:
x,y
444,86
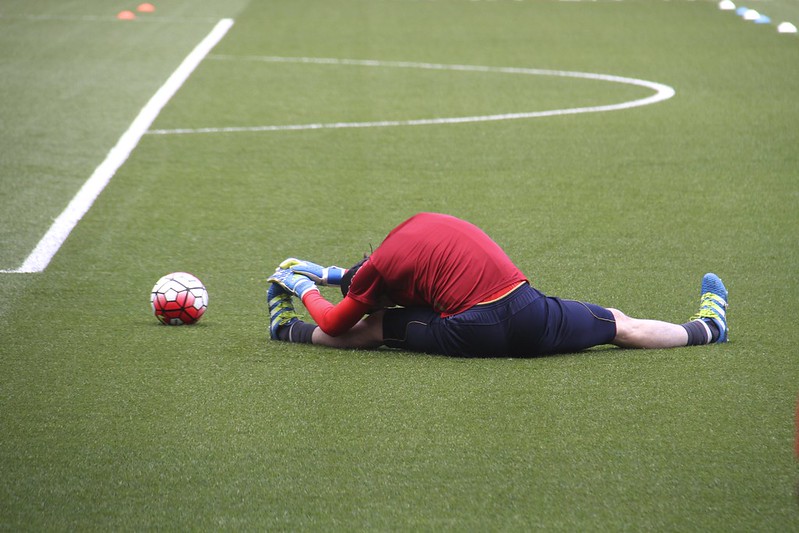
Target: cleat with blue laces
x,y
713,304
281,310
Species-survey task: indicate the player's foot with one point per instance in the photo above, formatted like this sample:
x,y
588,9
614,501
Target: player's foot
x,y
713,306
281,310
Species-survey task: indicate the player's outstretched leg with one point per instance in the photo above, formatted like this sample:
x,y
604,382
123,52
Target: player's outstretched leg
x,y
707,326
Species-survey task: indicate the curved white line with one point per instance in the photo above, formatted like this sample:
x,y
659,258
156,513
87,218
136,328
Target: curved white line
x,y
662,92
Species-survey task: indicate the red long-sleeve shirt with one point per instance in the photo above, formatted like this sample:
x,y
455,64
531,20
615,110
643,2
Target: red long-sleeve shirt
x,y
430,260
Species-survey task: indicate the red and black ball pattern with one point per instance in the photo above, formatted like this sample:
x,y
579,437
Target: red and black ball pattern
x,y
179,299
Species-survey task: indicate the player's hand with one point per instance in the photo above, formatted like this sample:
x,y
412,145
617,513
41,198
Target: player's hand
x,y
294,283
322,275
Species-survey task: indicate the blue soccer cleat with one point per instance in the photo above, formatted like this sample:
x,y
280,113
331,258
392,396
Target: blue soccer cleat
x,y
713,304
281,310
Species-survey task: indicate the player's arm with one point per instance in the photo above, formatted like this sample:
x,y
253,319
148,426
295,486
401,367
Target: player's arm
x,y
334,319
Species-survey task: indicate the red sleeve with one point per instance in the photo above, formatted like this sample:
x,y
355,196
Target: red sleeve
x,y
334,319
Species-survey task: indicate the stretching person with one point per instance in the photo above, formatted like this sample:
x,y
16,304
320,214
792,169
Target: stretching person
x,y
438,284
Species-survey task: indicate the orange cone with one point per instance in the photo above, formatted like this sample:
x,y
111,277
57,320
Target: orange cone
x,y
126,15
145,8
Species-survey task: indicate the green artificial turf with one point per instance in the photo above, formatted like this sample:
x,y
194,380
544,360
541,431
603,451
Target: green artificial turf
x,y
110,421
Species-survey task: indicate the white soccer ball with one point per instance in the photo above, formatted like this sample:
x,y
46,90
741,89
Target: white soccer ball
x,y
179,298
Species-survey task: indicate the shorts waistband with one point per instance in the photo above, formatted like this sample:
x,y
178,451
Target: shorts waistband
x,y
502,293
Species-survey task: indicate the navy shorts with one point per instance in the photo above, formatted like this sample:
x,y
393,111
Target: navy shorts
x,y
526,323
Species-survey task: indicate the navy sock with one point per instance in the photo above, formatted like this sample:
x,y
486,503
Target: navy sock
x,y
697,332
297,331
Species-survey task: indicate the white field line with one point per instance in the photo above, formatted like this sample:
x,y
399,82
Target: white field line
x,y
662,92
62,226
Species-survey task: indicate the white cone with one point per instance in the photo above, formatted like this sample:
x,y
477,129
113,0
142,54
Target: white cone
x,y
751,14
786,27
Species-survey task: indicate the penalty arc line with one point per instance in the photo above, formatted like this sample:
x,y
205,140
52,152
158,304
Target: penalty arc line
x,y
662,92
63,225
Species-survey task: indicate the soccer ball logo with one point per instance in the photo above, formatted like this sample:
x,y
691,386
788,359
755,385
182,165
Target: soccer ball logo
x,y
179,298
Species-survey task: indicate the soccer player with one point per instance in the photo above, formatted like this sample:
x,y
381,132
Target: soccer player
x,y
438,284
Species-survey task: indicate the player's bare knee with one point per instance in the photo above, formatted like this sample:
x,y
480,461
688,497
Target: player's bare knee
x,y
625,330
374,331
618,316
